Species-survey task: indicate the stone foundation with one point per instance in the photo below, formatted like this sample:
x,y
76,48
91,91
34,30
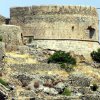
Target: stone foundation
x,y
79,47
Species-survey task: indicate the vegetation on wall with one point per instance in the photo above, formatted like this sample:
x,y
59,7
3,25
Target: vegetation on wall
x,y
96,55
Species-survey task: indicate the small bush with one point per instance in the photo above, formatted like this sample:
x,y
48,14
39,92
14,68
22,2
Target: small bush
x,y
66,92
67,67
94,87
63,65
3,82
0,38
62,57
96,55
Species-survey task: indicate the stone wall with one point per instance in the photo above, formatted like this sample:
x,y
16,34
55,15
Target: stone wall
x,y
79,47
2,20
11,36
57,22
38,10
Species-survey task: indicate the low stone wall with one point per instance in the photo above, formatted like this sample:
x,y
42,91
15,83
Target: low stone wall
x,y
11,36
79,47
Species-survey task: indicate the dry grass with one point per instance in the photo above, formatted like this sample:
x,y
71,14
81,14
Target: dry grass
x,y
88,70
60,73
15,58
16,55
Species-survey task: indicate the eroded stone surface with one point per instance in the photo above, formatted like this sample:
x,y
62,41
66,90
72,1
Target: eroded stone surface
x,y
11,36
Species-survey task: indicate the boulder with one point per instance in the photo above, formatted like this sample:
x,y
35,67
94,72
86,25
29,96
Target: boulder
x,y
60,87
91,97
25,80
78,91
95,65
50,91
79,80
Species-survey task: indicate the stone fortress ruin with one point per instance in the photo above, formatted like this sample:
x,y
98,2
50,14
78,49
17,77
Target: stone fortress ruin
x,y
30,38
68,28
57,22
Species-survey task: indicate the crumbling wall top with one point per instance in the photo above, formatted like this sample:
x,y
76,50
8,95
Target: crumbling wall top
x,y
35,10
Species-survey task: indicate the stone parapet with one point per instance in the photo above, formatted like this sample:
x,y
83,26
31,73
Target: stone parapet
x,y
37,10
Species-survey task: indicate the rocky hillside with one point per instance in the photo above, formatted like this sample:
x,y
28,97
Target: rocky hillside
x,y
30,77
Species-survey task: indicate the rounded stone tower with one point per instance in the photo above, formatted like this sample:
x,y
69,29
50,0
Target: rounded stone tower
x,y
69,28
57,22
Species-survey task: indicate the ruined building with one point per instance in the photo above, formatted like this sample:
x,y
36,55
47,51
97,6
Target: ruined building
x,y
57,22
69,28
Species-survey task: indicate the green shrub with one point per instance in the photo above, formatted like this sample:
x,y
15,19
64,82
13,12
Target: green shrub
x,y
66,92
67,67
63,65
3,82
0,38
96,55
62,57
94,87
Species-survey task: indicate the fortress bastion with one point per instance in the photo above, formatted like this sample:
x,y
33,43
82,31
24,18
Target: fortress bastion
x,y
57,22
69,28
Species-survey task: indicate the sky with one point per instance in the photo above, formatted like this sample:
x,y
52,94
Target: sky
x,y
5,5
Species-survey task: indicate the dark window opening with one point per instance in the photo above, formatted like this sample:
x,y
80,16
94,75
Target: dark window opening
x,y
72,28
91,31
30,39
22,37
7,21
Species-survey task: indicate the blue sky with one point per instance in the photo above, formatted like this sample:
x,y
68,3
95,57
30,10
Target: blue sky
x,y
6,4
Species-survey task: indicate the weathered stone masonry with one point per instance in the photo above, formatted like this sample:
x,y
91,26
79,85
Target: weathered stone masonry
x,y
69,28
57,22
